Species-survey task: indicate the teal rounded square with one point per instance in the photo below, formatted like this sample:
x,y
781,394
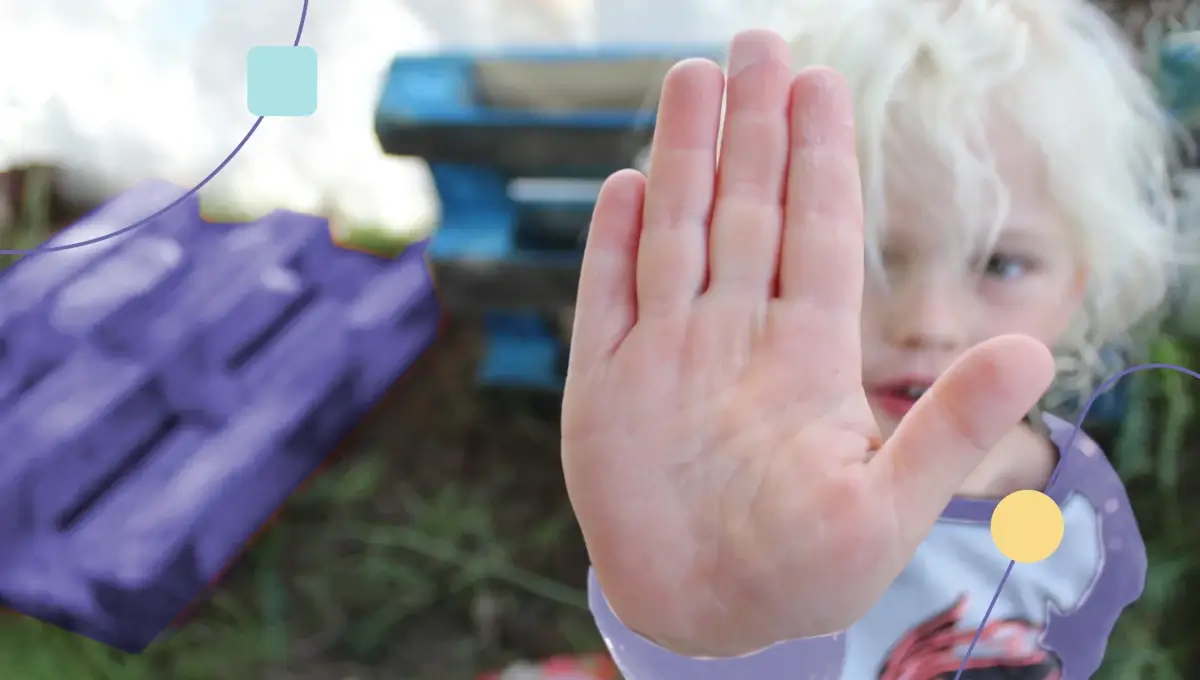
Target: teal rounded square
x,y
281,80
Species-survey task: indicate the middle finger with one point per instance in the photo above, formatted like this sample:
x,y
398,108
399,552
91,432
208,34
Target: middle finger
x,y
751,175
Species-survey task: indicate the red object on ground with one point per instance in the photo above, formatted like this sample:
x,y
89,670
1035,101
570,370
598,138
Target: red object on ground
x,y
587,667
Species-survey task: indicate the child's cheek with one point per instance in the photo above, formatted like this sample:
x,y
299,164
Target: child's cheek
x,y
1045,321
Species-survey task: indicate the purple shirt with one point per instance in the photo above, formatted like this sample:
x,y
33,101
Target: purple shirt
x,y
1051,621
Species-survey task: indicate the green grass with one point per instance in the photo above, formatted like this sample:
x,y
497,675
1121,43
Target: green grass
x,y
323,593
363,576
441,545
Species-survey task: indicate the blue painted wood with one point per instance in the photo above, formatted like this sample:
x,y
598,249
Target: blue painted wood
x,y
522,352
443,87
433,106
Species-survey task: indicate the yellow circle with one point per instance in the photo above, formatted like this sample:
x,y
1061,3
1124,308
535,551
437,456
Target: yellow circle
x,y
1027,526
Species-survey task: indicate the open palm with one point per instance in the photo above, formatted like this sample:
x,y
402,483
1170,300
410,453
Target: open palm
x,y
718,445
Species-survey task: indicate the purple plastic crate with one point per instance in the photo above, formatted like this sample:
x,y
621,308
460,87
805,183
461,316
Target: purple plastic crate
x,y
163,392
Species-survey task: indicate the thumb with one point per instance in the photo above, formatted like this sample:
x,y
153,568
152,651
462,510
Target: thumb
x,y
962,417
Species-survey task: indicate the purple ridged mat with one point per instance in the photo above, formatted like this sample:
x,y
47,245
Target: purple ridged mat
x,y
163,392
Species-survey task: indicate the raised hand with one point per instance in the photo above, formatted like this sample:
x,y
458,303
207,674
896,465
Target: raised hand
x,y
718,445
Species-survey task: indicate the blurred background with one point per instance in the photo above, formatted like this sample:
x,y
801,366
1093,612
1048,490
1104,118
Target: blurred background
x,y
439,545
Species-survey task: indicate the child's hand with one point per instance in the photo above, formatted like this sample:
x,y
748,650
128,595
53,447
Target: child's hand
x,y
717,442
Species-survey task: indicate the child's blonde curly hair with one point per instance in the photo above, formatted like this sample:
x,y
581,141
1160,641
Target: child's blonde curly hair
x,y
927,77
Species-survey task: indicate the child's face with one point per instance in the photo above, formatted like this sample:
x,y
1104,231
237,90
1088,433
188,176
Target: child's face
x,y
943,295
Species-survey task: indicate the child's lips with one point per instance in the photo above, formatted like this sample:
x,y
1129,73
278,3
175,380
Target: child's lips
x,y
897,399
893,403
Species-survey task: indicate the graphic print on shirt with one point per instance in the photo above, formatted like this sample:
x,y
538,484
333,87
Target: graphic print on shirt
x,y
1006,650
921,628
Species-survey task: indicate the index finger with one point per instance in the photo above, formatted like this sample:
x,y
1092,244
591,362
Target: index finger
x,y
673,251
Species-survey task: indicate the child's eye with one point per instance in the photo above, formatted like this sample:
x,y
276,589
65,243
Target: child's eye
x,y
1003,266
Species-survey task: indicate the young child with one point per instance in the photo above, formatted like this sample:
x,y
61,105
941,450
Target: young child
x,y
785,456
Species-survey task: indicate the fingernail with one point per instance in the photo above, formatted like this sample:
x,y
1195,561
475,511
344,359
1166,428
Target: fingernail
x,y
747,49
823,107
824,84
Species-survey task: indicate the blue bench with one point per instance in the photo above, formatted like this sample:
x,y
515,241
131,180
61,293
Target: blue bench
x,y
518,143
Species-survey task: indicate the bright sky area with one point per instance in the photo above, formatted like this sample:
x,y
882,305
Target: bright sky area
x,y
118,91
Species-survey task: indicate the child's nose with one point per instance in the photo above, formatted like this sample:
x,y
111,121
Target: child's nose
x,y
929,317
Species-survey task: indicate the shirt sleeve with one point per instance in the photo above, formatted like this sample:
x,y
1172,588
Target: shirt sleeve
x,y
1079,637
640,659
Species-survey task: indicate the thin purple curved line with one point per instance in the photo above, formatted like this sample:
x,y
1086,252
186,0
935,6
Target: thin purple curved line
x,y
191,192
1104,387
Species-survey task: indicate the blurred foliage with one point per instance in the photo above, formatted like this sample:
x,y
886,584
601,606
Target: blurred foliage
x,y
30,218
1154,451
